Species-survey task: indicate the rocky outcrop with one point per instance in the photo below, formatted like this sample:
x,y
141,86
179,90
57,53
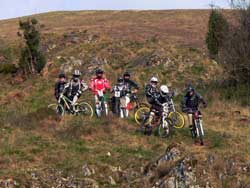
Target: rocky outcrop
x,y
174,169
178,168
70,63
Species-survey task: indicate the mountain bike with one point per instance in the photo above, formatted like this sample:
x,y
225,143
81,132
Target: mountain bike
x,y
197,130
121,105
102,105
176,117
161,119
133,103
64,104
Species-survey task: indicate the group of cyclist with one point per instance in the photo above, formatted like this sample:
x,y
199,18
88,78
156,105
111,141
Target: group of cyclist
x,y
99,85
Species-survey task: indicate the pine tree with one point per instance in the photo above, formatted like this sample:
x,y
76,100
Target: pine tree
x,y
32,60
217,31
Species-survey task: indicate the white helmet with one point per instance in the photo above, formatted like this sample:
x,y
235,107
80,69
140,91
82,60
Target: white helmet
x,y
77,73
164,90
153,79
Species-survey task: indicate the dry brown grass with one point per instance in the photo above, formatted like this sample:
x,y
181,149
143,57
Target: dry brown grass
x,y
35,138
180,27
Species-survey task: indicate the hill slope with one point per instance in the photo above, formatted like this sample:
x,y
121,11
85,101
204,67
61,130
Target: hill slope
x,y
39,149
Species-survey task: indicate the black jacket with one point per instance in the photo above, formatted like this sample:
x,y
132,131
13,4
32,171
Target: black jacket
x,y
158,100
150,91
72,88
129,85
191,103
119,90
59,87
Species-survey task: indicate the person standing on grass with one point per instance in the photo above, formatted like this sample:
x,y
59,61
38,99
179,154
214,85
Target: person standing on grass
x,y
60,84
99,86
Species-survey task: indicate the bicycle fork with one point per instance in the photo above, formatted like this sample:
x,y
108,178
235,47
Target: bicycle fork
x,y
199,128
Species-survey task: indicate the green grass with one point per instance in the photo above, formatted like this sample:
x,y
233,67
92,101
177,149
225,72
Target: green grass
x,y
216,139
198,69
77,146
138,152
28,139
19,154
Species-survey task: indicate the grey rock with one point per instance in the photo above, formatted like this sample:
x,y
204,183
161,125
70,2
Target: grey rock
x,y
174,168
87,171
169,183
112,181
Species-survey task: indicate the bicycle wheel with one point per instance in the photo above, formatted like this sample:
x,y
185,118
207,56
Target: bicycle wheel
x,y
140,115
164,129
105,110
85,109
200,132
177,118
143,105
58,108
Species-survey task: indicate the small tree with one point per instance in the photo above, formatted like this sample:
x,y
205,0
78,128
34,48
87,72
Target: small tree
x,y
235,54
217,30
32,60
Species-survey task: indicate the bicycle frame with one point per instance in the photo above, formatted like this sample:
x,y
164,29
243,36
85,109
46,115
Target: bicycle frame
x,y
164,114
66,101
171,106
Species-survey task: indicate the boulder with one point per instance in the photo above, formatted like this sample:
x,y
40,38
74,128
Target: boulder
x,y
173,169
87,170
112,181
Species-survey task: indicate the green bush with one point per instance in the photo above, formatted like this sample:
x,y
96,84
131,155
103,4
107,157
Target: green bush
x,y
41,62
8,68
8,53
217,30
32,60
240,94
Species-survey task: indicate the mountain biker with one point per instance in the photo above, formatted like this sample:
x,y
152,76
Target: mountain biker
x,y
60,84
130,86
157,100
119,91
190,104
151,89
99,84
74,88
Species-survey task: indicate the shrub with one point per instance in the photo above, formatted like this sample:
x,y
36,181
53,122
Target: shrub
x,y
32,60
8,68
217,30
235,54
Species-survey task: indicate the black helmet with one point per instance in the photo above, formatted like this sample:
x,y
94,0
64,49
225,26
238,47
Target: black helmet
x,y
120,79
126,74
61,75
99,71
190,88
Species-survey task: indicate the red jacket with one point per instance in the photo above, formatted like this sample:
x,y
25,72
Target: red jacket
x,y
99,84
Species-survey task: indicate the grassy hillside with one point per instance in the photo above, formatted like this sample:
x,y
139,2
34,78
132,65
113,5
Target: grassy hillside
x,y
38,149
